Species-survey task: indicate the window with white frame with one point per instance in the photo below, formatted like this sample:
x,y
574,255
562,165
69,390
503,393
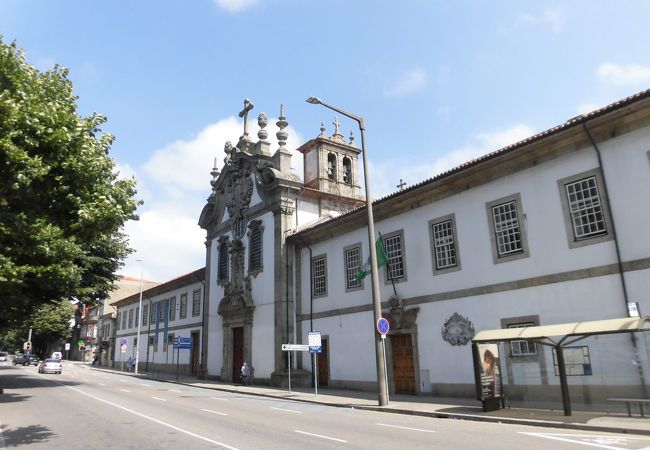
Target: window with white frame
x,y
444,244
130,318
145,314
586,209
506,229
352,267
395,253
183,309
153,313
196,302
119,320
137,316
124,320
522,348
172,309
319,275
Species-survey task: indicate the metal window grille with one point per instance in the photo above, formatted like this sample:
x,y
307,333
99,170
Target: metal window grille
x,y
352,267
586,208
506,229
393,249
444,245
255,261
522,348
239,227
145,314
183,311
196,302
172,308
320,280
222,271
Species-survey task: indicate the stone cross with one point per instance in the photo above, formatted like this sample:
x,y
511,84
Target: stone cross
x,y
401,184
337,124
248,105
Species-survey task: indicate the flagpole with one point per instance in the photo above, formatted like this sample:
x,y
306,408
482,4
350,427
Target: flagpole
x,y
390,275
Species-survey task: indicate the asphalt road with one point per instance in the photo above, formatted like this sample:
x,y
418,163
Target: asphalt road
x,y
84,408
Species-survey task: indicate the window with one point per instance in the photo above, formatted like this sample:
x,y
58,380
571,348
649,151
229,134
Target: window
x,y
507,235
255,246
137,316
124,320
331,167
347,171
162,312
522,348
119,320
145,314
352,267
196,302
153,313
319,274
239,227
577,361
172,308
393,248
444,245
222,266
151,340
586,211
183,311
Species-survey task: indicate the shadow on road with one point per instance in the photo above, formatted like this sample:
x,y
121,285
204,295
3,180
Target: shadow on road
x,y
9,397
31,434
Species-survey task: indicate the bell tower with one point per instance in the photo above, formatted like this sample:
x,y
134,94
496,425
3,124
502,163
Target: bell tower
x,y
331,164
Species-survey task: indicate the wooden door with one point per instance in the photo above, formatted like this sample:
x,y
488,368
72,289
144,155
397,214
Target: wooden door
x,y
323,365
195,353
237,353
403,367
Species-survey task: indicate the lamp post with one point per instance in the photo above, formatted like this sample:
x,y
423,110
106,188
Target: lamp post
x,y
137,345
376,298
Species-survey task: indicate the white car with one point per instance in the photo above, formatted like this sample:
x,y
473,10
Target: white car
x,y
50,366
3,356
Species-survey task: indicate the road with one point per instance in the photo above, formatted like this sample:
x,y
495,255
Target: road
x,y
85,408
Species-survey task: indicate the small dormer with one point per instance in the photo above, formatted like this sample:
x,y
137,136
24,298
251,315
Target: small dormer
x,y
331,164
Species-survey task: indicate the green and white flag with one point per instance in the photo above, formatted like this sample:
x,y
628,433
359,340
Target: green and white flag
x,y
382,260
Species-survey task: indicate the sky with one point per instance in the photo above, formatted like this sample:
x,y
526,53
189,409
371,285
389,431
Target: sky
x,y
437,82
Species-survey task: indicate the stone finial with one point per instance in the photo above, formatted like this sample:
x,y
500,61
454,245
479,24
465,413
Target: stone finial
x,y
282,124
262,121
351,138
322,129
214,173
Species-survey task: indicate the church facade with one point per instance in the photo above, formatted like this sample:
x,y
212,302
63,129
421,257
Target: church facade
x,y
549,230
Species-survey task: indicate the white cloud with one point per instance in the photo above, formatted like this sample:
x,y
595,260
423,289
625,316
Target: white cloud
x,y
174,184
409,82
386,176
623,75
235,5
553,18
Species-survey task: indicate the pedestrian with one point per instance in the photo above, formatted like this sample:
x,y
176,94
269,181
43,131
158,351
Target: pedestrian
x,y
129,363
245,373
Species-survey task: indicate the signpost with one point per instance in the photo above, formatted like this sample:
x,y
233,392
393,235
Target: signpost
x,y
181,343
383,327
67,349
293,348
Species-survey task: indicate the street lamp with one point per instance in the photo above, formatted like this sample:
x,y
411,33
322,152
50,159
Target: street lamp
x,y
137,345
376,299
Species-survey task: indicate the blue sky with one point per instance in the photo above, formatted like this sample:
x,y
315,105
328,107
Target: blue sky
x,y
438,83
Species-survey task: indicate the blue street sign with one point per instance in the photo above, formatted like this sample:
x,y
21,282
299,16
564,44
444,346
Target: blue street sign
x,y
183,346
383,326
182,340
314,341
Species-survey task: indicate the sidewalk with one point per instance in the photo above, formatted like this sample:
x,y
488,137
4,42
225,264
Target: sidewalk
x,y
450,408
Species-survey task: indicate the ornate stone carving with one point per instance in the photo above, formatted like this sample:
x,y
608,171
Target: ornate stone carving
x,y
458,330
402,319
238,192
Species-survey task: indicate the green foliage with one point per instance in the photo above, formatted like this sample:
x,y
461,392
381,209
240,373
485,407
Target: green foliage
x,y
62,206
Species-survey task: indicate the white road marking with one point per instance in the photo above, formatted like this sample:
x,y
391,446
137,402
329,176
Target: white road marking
x,y
175,390
219,398
597,441
158,398
125,390
286,410
404,428
160,422
101,384
321,436
214,412
145,385
124,381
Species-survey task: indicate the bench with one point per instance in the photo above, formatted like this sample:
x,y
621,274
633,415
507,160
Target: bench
x,y
628,401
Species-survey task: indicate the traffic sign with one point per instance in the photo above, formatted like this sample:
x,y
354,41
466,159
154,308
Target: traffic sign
x,y
383,326
295,348
123,348
124,341
67,346
182,340
315,345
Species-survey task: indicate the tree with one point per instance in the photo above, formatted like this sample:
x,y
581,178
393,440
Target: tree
x,y
62,204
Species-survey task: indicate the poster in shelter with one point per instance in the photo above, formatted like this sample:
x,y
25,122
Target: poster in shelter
x,y
489,371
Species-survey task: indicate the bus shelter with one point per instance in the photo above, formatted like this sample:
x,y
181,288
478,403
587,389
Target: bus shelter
x,y
558,336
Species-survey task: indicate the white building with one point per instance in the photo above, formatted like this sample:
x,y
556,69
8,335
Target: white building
x,y
169,310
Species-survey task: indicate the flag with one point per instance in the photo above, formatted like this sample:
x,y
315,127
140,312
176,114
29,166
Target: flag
x,y
382,260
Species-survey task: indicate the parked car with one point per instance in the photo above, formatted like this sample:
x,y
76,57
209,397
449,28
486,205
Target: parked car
x,y
50,365
3,356
25,360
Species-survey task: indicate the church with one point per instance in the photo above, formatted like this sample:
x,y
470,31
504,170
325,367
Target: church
x,y
548,230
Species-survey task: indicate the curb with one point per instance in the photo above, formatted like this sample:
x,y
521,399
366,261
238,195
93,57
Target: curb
x,y
432,414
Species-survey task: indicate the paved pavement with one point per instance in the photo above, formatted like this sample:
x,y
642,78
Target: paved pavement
x,y
451,408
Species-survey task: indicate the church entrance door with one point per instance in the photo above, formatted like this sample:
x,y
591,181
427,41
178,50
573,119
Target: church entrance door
x,y
237,352
323,364
403,367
